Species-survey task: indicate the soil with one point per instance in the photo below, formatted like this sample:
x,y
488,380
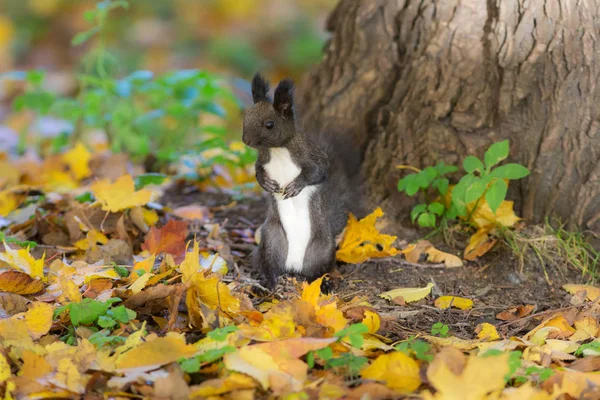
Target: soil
x,y
495,282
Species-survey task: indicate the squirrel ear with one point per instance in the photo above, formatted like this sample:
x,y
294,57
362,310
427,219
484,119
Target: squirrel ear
x,y
260,88
284,99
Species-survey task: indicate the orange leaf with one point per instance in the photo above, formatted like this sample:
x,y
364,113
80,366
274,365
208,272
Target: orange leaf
x,y
479,244
169,239
20,283
515,313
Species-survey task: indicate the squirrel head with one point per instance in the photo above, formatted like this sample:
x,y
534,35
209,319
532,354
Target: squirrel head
x,y
269,123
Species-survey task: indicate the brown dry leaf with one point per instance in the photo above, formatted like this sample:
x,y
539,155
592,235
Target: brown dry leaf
x,y
592,292
169,239
19,283
514,313
362,241
12,304
371,391
456,377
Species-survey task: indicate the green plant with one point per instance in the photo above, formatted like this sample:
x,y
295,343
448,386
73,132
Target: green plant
x,y
141,114
347,361
440,329
102,313
420,349
482,180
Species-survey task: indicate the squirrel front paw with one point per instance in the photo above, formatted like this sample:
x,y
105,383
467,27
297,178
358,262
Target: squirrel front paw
x,y
293,189
270,185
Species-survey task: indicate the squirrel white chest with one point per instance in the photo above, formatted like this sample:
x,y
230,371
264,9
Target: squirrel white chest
x,y
294,213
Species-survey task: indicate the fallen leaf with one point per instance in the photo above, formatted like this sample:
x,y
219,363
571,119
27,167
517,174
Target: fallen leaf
x,y
121,195
479,244
78,159
169,239
526,391
514,313
39,319
556,321
436,256
219,386
482,216
8,202
12,304
372,321
19,283
408,294
397,370
4,369
486,331
592,292
23,261
456,377
192,212
444,302
155,353
586,328
361,241
326,311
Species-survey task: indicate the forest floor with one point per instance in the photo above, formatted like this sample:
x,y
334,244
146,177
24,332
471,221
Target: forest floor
x,y
496,282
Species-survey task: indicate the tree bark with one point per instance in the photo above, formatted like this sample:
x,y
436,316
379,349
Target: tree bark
x,y
420,81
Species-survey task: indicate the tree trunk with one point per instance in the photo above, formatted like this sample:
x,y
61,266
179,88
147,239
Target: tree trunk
x,y
421,81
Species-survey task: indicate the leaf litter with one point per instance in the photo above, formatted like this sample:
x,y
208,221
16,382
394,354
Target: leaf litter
x,y
125,297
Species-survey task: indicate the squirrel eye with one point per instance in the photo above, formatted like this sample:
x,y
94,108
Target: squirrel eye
x,y
270,124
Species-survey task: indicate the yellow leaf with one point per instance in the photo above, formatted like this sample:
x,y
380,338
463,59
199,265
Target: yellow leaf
x,y
326,311
70,290
452,341
145,266
444,302
592,292
215,294
483,216
4,369
39,319
8,202
34,365
121,195
19,283
397,370
408,294
140,283
78,159
558,322
7,30
563,346
156,353
436,256
219,386
372,321
479,244
457,378
191,263
23,261
526,391
278,323
486,331
586,328
362,241
150,217
68,377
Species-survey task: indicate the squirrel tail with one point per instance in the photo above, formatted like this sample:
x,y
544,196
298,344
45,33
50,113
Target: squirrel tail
x,y
344,187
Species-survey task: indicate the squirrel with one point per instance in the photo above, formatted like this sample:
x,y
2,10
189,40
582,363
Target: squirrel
x,y
311,181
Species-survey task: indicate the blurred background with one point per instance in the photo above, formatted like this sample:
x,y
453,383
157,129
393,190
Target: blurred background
x,y
162,82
